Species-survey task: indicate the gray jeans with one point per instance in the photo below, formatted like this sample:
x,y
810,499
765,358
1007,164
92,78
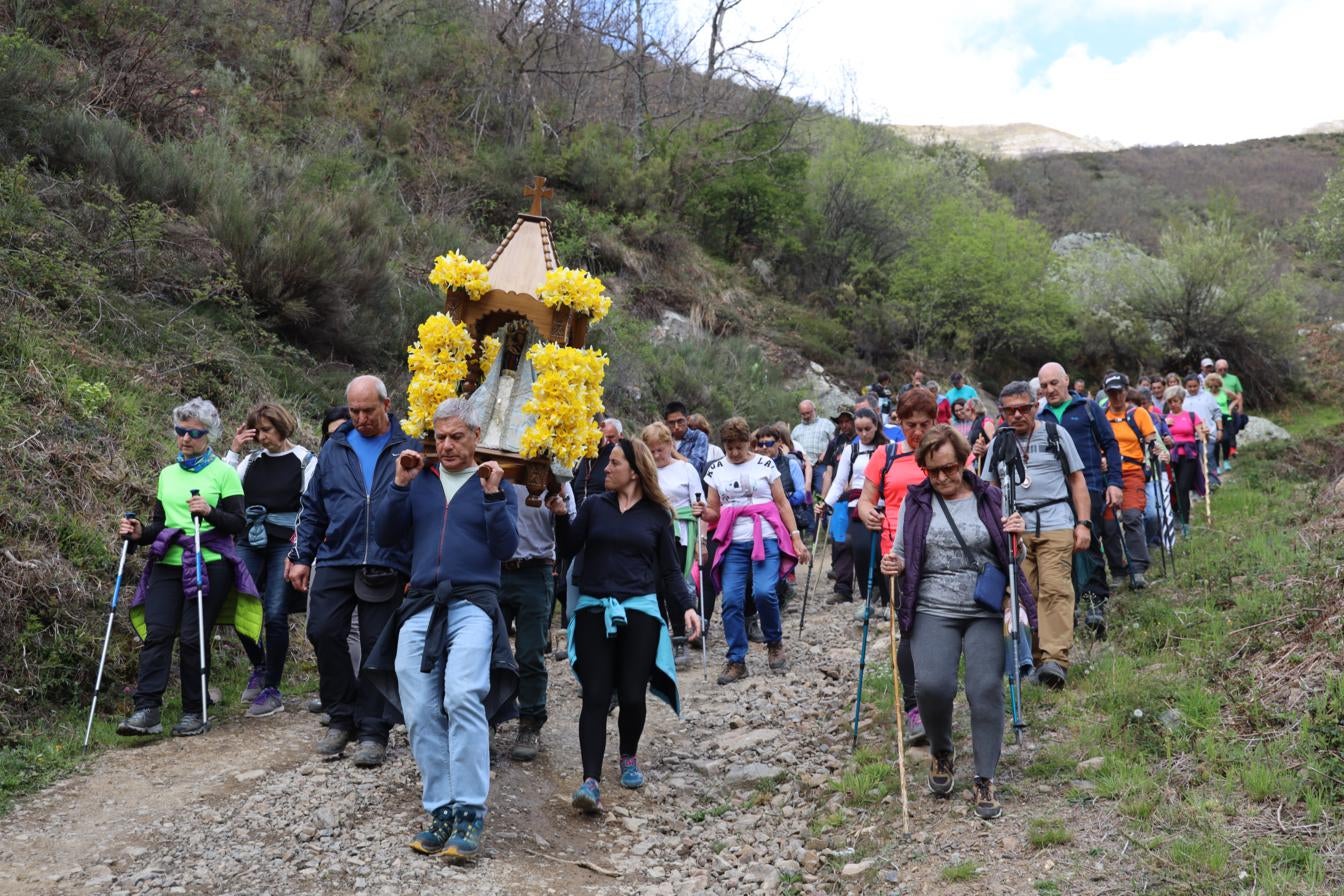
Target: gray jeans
x,y
1135,543
938,643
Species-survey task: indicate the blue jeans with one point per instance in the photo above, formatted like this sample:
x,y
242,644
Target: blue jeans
x,y
267,568
764,576
452,750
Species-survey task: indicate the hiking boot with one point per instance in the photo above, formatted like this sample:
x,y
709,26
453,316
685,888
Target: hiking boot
x,y
914,729
314,705
588,798
268,703
838,597
190,725
986,804
776,658
754,633
465,843
1138,582
1095,618
255,682
942,774
732,672
142,721
631,777
528,742
681,658
370,754
334,742
432,840
1052,675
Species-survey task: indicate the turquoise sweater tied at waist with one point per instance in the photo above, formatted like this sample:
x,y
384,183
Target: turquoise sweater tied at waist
x,y
663,684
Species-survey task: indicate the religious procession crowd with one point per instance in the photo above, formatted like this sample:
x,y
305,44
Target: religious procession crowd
x,y
431,588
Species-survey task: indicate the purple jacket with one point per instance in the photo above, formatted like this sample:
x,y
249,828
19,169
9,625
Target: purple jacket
x,y
241,608
919,500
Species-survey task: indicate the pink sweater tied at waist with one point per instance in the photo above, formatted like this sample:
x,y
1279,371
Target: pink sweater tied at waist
x,y
767,512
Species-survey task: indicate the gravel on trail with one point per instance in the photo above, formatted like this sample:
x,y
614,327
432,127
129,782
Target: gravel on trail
x,y
742,797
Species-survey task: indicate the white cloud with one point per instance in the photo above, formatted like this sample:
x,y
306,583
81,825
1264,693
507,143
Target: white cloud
x,y
1245,68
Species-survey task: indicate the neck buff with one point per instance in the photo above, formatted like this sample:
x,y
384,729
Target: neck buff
x,y
195,464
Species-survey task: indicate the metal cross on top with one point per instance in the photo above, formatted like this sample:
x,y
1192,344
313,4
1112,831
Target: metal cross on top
x,y
537,192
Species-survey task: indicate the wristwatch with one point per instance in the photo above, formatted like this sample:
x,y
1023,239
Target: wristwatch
x,y
1087,523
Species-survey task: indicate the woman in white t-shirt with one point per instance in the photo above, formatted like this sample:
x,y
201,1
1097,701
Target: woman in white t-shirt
x,y
756,531
681,486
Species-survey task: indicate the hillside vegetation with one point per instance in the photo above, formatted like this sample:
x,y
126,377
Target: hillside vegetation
x,y
242,201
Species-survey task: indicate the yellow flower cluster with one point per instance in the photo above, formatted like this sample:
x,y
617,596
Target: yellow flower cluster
x,y
489,351
566,395
438,362
454,271
579,290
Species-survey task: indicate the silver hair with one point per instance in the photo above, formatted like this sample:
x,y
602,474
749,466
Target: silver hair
x,y
377,384
976,405
620,430
458,409
199,409
1017,387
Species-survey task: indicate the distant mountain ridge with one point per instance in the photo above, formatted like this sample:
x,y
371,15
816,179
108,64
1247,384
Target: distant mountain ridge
x,y
1011,141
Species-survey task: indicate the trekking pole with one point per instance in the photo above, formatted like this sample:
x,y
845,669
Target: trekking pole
x,y
1204,469
898,705
1156,468
867,614
107,636
807,585
200,615
1009,486
1169,474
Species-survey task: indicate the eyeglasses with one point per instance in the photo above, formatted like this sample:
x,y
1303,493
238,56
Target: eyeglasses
x,y
765,443
194,433
947,471
1016,409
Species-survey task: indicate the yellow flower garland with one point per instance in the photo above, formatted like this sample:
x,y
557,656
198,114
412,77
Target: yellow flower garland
x,y
454,271
438,362
489,351
579,290
566,395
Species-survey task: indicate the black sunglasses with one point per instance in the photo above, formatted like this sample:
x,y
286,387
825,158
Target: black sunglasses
x,y
194,433
765,443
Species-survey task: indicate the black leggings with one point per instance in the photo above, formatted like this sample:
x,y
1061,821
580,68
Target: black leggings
x,y
623,664
171,616
1187,474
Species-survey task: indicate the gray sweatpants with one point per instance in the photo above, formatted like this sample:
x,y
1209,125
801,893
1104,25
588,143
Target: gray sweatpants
x,y
938,643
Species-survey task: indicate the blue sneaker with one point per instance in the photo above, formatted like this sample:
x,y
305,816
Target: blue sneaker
x,y
631,777
588,798
255,683
431,842
465,843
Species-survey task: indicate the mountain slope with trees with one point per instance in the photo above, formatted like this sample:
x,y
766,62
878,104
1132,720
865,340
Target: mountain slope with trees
x,y
242,201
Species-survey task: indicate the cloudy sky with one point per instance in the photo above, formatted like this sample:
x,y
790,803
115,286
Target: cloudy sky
x,y
1131,71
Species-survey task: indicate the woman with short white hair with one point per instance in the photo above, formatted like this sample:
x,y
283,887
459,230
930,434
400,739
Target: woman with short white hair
x,y
164,610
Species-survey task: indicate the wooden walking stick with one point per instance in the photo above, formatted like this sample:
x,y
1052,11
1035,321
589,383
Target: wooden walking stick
x,y
898,705
1204,468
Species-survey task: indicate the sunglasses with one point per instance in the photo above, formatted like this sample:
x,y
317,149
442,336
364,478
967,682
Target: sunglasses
x,y
765,443
194,433
947,470
1015,410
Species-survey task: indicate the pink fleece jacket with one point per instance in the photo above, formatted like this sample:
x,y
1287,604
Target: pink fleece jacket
x,y
723,534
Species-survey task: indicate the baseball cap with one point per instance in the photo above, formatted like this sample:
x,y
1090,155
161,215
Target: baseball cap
x,y
1114,381
846,410
1207,362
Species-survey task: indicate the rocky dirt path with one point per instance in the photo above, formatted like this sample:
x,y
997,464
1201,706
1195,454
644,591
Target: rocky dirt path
x,y
743,797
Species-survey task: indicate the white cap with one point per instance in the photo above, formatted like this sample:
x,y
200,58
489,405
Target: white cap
x,y
1207,362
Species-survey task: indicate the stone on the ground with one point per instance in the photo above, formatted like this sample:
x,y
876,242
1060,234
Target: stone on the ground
x,y
1259,430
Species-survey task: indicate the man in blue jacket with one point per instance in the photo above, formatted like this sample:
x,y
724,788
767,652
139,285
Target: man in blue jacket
x,y
336,560
454,670
1092,435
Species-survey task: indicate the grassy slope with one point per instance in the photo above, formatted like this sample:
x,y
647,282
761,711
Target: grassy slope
x,y
1216,706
